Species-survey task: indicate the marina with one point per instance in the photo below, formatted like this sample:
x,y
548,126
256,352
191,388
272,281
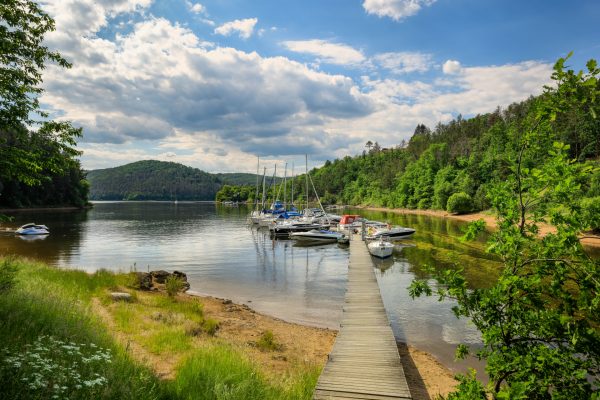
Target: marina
x,y
224,257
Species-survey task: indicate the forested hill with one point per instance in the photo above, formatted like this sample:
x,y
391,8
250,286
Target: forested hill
x,y
462,158
159,180
455,166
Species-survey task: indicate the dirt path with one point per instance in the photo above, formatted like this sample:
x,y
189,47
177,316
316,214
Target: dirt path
x,y
241,327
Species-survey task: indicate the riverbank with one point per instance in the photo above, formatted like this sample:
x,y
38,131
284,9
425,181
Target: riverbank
x,y
35,209
171,347
488,217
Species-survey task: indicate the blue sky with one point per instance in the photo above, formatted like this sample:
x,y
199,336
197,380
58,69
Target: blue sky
x,y
212,84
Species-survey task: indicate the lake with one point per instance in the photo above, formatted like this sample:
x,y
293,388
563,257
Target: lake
x,y
223,257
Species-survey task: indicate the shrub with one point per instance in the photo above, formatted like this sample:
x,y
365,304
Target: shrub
x,y
210,326
591,210
480,199
173,285
8,272
267,342
459,203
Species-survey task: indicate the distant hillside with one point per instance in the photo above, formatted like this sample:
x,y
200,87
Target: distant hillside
x,y
153,180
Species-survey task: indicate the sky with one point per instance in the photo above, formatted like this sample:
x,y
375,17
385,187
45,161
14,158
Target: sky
x,y
214,84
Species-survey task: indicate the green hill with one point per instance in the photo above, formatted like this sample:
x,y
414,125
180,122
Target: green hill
x,y
153,180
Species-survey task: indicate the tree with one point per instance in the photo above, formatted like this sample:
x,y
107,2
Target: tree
x,y
33,148
540,320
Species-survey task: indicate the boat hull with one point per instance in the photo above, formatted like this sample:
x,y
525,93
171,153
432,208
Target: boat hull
x,y
381,249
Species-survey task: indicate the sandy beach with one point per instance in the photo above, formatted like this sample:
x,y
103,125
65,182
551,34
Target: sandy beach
x,y
240,326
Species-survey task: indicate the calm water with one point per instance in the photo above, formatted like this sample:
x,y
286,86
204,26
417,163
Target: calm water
x,y
225,258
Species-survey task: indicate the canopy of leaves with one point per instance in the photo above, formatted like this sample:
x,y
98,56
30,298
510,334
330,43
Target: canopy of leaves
x,y
37,156
540,322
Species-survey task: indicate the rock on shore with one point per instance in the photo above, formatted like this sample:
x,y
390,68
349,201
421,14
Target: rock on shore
x,y
156,280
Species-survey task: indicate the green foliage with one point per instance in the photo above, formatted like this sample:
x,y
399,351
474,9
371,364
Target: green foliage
x,y
210,326
468,388
8,273
591,212
152,180
50,308
53,303
463,155
221,373
539,321
38,162
236,193
173,285
53,368
23,27
459,203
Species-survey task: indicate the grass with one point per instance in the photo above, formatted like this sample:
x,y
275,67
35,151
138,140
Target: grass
x,y
220,372
46,303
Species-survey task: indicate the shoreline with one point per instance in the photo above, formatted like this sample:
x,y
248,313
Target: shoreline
x,y
490,220
33,209
426,375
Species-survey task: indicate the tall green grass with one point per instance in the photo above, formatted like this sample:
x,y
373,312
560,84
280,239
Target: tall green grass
x,y
46,301
221,373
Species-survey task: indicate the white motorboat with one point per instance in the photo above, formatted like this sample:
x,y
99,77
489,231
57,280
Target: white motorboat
x,y
381,248
395,233
33,229
317,236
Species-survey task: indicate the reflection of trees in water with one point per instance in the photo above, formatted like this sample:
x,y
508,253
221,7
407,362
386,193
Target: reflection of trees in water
x,y
65,236
438,245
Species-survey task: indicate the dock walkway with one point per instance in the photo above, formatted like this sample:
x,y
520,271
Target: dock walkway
x,y
364,362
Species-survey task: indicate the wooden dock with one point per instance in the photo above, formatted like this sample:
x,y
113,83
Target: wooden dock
x,y
364,362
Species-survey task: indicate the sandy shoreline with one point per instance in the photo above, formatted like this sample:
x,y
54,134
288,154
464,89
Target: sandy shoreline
x,y
426,376
490,220
301,345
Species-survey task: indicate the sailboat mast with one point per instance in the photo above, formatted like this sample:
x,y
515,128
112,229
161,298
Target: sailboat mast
x,y
264,182
257,171
292,184
285,186
306,171
273,183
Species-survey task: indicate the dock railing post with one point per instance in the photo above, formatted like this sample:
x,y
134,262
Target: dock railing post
x,y
363,230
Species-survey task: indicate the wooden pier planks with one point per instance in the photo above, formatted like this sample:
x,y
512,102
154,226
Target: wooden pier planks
x,y
364,362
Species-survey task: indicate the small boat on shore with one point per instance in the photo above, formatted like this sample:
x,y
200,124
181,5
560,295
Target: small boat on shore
x,y
381,248
33,229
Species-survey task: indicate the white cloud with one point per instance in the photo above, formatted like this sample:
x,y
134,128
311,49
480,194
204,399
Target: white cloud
x,y
196,8
404,104
162,81
244,27
405,62
328,52
395,9
88,16
160,90
451,67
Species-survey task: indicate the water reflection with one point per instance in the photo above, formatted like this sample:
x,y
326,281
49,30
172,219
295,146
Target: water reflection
x,y
66,234
225,258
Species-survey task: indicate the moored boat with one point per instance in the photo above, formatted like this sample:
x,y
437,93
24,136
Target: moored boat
x,y
395,233
317,236
381,248
33,229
